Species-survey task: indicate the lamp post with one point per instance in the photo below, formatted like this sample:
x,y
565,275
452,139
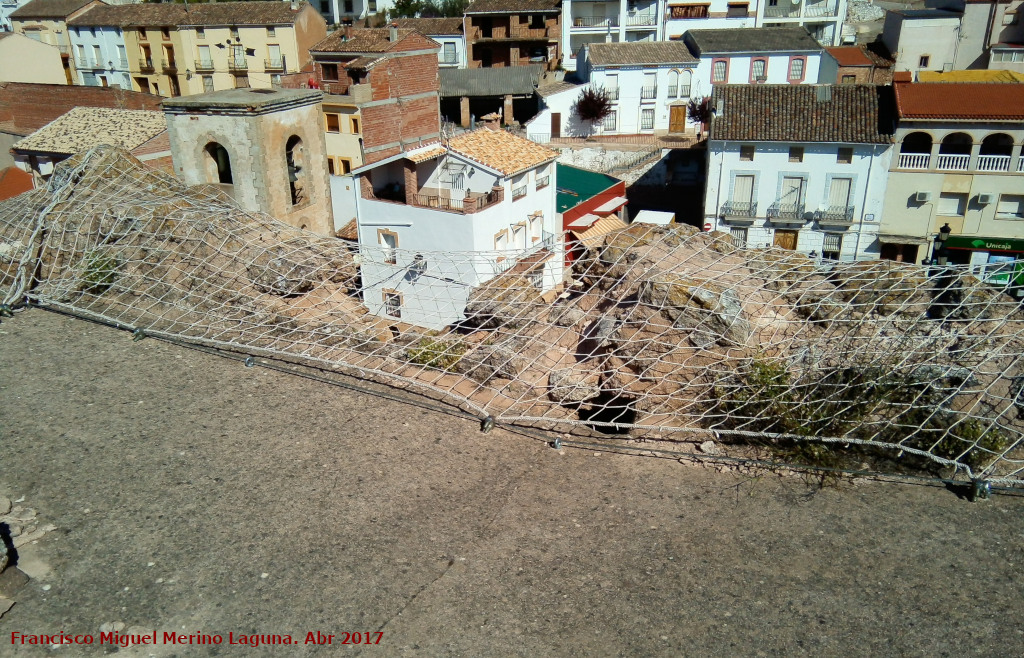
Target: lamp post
x,y
941,255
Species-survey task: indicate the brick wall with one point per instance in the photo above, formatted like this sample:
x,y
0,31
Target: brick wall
x,y
25,108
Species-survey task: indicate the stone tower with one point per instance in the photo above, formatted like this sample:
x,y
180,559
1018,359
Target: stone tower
x,y
265,147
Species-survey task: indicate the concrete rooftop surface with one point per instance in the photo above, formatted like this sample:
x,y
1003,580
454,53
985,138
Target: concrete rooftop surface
x,y
191,494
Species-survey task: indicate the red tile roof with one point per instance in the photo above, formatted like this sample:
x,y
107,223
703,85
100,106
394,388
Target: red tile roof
x,y
849,56
965,100
14,181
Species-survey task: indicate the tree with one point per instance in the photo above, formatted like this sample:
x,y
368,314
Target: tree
x,y
699,110
593,104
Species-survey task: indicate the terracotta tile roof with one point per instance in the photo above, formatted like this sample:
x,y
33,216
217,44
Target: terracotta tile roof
x,y
512,6
593,235
27,107
751,40
850,56
85,127
431,26
372,40
847,114
49,8
14,181
628,53
960,100
349,231
501,150
421,156
974,75
198,14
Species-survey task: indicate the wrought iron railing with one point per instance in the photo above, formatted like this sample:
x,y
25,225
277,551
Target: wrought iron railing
x,y
836,215
739,209
647,93
146,64
203,65
595,21
519,192
238,64
543,181
792,211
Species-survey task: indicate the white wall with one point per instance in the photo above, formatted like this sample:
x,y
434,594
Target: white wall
x,y
335,10
112,64
26,60
611,20
459,42
539,127
868,172
629,106
910,39
739,73
716,20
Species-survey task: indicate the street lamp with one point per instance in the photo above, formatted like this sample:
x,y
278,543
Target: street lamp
x,y
941,255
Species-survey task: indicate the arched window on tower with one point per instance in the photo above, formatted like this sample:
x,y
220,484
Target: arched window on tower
x,y
218,164
295,157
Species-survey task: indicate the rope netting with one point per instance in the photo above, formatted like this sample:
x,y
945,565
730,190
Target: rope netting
x,y
649,332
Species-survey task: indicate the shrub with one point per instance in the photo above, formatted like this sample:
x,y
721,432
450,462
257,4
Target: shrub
x,y
435,352
101,271
593,105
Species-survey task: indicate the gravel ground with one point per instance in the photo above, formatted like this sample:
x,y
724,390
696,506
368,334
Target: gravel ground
x,y
191,494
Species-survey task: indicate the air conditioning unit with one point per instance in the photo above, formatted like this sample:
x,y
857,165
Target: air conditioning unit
x,y
986,199
923,197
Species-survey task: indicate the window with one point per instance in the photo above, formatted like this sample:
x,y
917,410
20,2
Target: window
x,y
372,6
271,31
849,80
354,121
796,154
448,55
673,84
951,203
742,195
519,187
609,121
796,69
333,122
923,62
295,160
519,236
647,119
737,10
1010,206
200,32
690,11
759,70
274,55
92,31
97,56
218,164
839,196
832,246
389,241
122,57
275,79
501,240
142,33
536,227
719,70
207,83
329,71
234,32
684,84
205,60
747,152
330,166
346,165
165,32
393,304
739,237
844,155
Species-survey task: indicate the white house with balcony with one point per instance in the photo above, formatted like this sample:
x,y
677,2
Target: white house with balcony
x,y
770,55
101,57
708,15
611,21
437,221
649,85
336,11
958,161
822,18
811,178
446,31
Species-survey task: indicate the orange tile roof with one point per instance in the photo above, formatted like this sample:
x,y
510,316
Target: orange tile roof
x,y
964,100
501,150
14,181
849,56
428,154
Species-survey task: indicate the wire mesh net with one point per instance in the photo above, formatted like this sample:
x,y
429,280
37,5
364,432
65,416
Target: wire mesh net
x,y
653,332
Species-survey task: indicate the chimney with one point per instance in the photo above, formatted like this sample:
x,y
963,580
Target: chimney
x,y
346,24
294,6
393,32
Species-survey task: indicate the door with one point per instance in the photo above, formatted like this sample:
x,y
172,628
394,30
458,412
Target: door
x,y
205,60
792,193
677,119
274,52
556,124
238,57
786,239
839,195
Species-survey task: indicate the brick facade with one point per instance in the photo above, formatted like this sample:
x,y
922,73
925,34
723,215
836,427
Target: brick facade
x,y
513,40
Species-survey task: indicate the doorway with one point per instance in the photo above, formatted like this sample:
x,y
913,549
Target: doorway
x,y
786,239
556,125
677,119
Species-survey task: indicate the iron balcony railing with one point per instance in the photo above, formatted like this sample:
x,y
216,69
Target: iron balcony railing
x,y
436,201
613,94
146,64
792,211
274,64
641,20
820,9
647,93
543,182
739,209
170,67
595,21
547,241
519,192
783,10
204,65
836,215
238,64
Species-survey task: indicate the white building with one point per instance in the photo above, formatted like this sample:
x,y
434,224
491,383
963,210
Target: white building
x,y
958,161
811,177
649,85
613,21
710,15
335,11
26,60
779,55
101,58
822,18
6,7
922,39
448,32
437,221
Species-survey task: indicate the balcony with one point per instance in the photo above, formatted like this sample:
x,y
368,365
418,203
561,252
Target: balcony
x,y
914,160
834,215
820,9
993,163
591,22
274,64
432,198
204,66
1020,165
121,64
84,63
739,210
948,162
519,192
613,94
170,67
146,64
783,10
543,182
448,60
641,20
240,65
547,241
524,32
648,93
786,213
